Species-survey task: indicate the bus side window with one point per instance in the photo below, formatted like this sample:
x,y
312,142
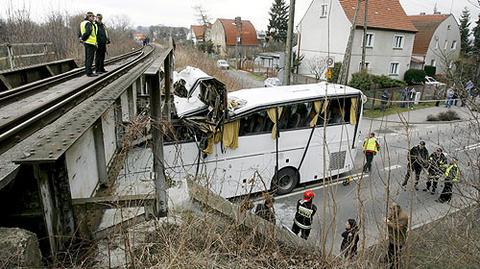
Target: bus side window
x,y
244,126
294,118
283,120
335,115
303,113
259,122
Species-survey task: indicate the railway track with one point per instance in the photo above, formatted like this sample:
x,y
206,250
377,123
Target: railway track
x,y
15,94
16,125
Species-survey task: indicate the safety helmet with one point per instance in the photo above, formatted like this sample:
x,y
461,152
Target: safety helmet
x,y
308,195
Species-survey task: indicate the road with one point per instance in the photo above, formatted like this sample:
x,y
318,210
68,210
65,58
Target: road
x,y
337,203
245,79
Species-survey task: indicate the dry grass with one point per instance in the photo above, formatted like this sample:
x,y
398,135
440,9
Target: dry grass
x,y
189,56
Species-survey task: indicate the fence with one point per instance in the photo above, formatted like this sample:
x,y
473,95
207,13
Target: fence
x,y
409,93
24,50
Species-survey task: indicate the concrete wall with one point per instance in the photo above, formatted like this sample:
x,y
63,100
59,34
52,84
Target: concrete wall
x,y
314,41
109,136
82,166
448,31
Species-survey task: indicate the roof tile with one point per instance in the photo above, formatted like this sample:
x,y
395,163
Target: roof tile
x,y
426,25
382,14
248,32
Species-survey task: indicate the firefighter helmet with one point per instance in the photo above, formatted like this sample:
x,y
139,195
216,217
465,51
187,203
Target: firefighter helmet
x,y
308,195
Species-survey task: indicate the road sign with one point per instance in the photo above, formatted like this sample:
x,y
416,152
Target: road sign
x,y
330,62
329,73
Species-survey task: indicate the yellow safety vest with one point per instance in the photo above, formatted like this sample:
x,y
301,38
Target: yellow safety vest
x,y
457,174
370,144
92,39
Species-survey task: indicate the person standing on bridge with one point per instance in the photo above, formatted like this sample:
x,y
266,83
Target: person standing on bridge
x,y
417,159
370,149
304,216
102,41
436,162
452,175
88,36
397,227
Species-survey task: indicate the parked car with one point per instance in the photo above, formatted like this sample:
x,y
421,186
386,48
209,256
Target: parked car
x,y
222,64
433,82
272,82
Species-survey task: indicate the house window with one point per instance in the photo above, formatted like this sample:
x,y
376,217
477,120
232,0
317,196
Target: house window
x,y
449,27
450,65
445,46
324,11
433,62
454,45
398,42
367,65
436,44
369,38
393,71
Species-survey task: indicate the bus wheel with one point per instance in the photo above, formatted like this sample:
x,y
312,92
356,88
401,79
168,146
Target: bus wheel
x,y
287,180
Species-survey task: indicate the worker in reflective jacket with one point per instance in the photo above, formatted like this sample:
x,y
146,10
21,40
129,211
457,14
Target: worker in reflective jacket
x,y
452,175
304,216
370,149
436,163
88,36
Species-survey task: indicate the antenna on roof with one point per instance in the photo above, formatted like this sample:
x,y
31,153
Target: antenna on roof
x,y
435,9
451,7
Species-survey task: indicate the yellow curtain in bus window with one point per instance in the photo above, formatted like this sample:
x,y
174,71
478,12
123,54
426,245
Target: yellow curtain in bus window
x,y
212,140
353,111
230,134
271,115
317,105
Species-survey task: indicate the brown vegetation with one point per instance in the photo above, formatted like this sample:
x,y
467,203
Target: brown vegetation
x,y
61,29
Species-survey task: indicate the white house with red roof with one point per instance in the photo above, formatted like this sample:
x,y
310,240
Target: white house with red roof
x,y
324,31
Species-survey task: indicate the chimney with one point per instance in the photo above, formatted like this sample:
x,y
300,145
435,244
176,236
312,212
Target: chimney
x,y
423,13
437,13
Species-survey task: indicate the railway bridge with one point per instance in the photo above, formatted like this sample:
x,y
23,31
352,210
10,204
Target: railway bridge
x,y
64,136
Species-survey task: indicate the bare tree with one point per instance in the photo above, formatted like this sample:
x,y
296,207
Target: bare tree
x,y
317,66
202,17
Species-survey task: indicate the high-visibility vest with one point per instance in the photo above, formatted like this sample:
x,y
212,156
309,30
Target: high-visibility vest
x,y
92,38
457,174
370,144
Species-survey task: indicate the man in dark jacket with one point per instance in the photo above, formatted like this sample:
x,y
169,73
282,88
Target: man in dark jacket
x,y
265,210
102,41
417,159
304,216
436,163
350,239
88,36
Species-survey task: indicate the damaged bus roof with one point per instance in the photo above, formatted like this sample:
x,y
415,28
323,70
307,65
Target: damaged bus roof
x,y
251,99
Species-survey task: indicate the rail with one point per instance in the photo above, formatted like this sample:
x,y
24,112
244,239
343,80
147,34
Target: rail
x,y
26,124
15,93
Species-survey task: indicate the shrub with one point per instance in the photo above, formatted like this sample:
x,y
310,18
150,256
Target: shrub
x,y
336,72
414,76
444,116
430,70
363,81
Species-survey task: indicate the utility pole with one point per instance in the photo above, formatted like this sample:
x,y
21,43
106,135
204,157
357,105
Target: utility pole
x,y
288,47
365,28
343,76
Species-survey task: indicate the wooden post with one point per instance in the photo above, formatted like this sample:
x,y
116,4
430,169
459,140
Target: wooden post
x,y
288,47
10,56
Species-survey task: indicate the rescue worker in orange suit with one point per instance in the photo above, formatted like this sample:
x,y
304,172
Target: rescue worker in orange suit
x,y
370,149
304,216
88,36
102,41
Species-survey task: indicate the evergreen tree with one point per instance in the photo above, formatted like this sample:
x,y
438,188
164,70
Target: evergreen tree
x,y
278,22
476,35
465,31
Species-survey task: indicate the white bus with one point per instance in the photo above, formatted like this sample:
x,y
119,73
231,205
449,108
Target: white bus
x,y
246,156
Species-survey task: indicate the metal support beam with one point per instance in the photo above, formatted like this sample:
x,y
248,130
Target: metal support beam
x,y
100,152
119,128
161,208
131,102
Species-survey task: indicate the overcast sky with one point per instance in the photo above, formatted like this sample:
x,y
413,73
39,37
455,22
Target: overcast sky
x,y
181,13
